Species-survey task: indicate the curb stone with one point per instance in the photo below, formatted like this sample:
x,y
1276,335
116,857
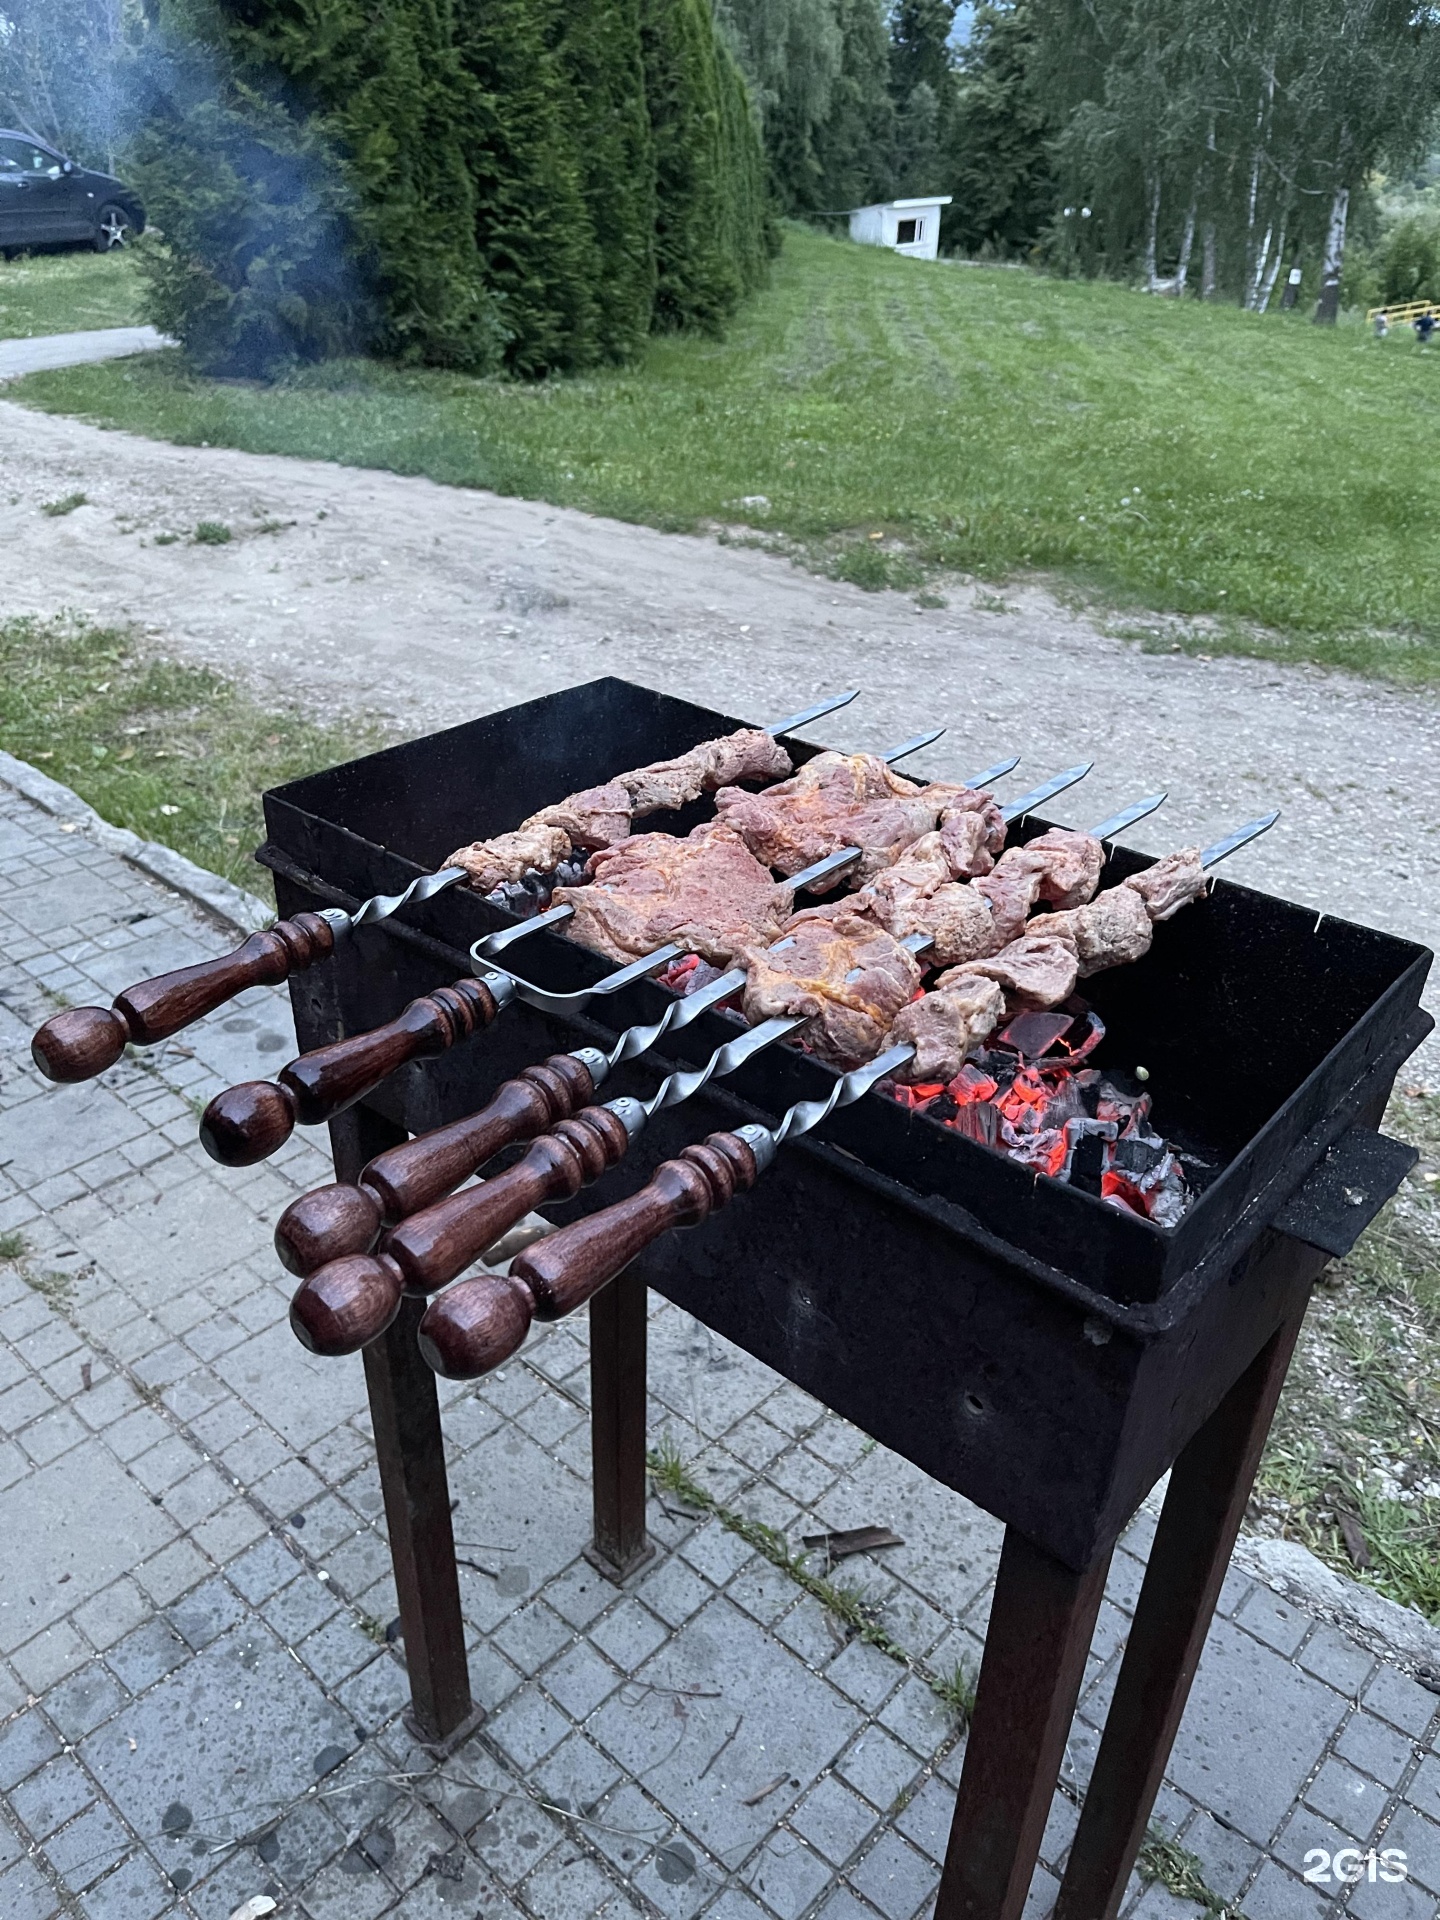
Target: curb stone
x,y
1392,1632
220,898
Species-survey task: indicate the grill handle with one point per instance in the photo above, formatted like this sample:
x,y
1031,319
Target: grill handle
x,y
337,1220
83,1041
1334,1206
249,1122
342,1306
476,1326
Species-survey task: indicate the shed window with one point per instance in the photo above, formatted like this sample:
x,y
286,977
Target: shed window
x,y
907,232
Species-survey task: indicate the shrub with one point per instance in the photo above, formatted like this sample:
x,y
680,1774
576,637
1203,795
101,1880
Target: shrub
x,y
1407,261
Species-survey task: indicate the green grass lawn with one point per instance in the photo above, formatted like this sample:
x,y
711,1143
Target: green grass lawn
x,y
176,753
67,293
1163,455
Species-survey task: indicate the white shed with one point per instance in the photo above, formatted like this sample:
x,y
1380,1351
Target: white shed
x,y
905,226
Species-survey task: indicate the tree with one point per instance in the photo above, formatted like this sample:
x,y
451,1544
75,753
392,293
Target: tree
x,y
791,53
920,46
997,157
63,72
464,183
853,146
712,229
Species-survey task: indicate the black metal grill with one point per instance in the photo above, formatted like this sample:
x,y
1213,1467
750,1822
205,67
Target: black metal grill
x,y
1014,1336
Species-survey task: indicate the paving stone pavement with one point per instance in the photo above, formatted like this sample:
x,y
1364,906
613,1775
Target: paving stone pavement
x,y
198,1702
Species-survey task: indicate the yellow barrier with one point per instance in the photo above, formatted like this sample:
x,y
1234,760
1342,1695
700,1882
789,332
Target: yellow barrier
x,y
1403,314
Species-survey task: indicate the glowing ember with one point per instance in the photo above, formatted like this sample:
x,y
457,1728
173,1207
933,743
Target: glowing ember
x,y
1027,1097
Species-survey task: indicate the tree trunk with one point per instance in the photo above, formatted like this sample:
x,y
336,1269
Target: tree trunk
x,y
1327,307
1187,242
1263,303
1252,292
1207,261
1152,236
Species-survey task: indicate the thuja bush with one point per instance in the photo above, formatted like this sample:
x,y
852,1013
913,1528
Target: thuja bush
x,y
533,183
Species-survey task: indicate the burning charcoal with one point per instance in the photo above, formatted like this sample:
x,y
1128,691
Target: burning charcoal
x,y
1032,1034
1087,1162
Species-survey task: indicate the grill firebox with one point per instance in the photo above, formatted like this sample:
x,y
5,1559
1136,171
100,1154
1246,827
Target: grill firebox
x,y
1015,1337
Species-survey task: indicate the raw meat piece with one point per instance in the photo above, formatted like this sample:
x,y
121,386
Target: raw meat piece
x,y
598,817
706,893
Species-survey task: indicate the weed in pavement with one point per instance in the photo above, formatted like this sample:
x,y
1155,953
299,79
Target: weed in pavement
x,y
56,509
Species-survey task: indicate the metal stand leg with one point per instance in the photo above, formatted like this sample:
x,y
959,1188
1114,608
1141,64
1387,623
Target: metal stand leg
x,y
617,1427
1204,1505
1041,1621
405,1409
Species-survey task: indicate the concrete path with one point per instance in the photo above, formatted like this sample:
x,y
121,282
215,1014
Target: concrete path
x,y
76,349
345,588
199,1699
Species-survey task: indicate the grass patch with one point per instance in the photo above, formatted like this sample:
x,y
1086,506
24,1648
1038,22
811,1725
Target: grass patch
x,y
177,753
842,1599
1179,1871
68,293
1189,459
13,1246
215,533
57,509
1352,1468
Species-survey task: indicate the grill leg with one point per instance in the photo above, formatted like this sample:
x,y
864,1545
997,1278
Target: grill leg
x,y
1204,1505
405,1410
1041,1621
617,1425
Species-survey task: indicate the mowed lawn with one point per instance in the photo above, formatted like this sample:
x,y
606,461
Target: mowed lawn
x,y
70,292
1169,456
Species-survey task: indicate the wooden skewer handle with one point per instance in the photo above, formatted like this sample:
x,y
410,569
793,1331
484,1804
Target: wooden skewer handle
x,y
432,1246
249,1122
83,1041
337,1220
424,1170
329,1079
476,1326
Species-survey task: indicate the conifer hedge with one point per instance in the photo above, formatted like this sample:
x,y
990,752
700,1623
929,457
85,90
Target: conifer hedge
x,y
465,183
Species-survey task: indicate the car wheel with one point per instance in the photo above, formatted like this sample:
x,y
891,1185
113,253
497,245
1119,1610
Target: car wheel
x,y
113,229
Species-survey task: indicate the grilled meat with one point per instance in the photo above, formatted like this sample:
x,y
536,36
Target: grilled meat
x,y
1038,970
944,1025
839,800
1171,883
602,816
1108,931
1059,867
1041,967
848,977
706,893
1117,926
917,895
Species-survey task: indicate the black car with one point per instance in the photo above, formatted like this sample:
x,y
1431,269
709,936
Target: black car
x,y
46,199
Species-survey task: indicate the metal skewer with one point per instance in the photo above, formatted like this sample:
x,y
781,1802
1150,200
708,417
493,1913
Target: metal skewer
x,y
347,1302
83,1041
496,943
249,1122
474,1327
344,1218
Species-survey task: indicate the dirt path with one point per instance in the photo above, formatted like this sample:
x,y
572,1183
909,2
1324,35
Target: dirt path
x,y
429,604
